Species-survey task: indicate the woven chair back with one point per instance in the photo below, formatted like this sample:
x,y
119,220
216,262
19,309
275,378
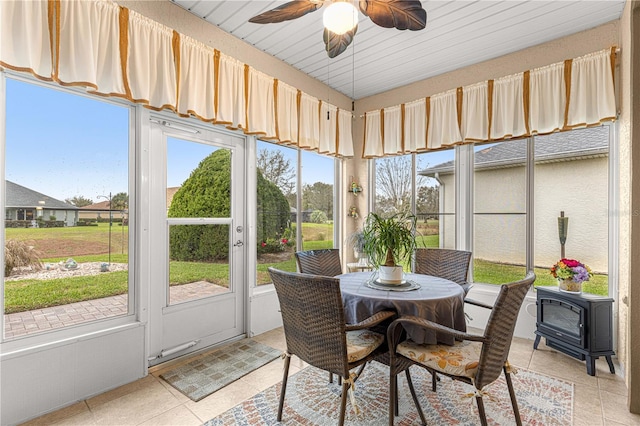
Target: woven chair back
x,y
499,330
444,263
313,319
324,262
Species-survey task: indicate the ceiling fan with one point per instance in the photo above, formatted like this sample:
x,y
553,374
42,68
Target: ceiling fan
x,y
341,17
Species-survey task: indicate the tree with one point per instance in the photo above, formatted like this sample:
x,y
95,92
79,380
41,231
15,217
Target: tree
x,y
79,201
120,201
277,169
318,196
428,200
393,184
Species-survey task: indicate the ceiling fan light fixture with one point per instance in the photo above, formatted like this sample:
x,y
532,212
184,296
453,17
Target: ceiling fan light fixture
x,y
340,17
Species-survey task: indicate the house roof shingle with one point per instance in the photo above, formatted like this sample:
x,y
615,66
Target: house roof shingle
x,y
562,146
18,196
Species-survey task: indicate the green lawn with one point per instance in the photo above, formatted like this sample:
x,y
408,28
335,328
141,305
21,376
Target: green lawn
x,y
27,295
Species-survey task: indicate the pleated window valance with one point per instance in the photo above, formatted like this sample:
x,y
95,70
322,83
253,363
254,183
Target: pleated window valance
x,y
575,93
113,51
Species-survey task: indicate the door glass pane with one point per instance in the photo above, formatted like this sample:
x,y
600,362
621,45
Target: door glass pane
x,y
499,228
198,186
317,201
199,261
66,209
572,178
276,209
436,198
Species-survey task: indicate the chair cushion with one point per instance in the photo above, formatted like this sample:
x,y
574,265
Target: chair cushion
x,y
361,343
461,359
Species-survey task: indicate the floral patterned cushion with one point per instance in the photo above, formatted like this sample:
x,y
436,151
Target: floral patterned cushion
x,y
361,343
461,359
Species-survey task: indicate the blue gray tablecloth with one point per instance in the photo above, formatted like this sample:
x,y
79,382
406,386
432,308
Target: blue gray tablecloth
x,y
438,300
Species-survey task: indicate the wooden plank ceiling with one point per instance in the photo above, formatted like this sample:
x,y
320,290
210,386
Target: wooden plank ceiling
x,y
458,33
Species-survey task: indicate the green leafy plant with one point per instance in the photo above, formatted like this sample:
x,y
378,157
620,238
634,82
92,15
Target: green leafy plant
x,y
389,241
18,253
356,241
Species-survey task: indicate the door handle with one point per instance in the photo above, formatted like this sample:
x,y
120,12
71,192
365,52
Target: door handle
x,y
238,243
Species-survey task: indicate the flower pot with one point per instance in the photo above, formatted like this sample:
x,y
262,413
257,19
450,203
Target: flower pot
x,y
570,286
390,274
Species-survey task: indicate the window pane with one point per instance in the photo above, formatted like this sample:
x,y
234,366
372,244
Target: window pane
x,y
393,185
435,198
317,201
66,209
571,174
199,264
499,240
276,215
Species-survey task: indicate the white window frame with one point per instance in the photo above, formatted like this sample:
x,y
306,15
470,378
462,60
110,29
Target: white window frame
x,y
62,335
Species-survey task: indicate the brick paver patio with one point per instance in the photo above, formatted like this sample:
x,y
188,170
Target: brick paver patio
x,y
36,321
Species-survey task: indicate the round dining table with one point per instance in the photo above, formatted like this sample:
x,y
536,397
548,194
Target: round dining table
x,y
433,298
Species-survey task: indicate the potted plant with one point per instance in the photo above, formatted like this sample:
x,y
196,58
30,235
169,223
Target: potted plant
x,y
356,241
389,241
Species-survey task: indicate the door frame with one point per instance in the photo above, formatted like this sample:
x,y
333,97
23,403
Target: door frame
x,y
154,223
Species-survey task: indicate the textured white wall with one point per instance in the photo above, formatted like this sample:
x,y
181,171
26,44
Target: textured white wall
x,y
579,188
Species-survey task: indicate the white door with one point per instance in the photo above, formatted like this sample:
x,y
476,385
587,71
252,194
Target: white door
x,y
197,234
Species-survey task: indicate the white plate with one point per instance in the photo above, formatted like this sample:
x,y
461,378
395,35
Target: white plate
x,y
389,282
406,286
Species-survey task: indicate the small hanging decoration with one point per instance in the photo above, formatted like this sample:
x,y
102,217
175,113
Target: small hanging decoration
x,y
353,212
355,188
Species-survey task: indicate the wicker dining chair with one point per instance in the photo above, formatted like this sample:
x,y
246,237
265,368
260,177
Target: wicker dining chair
x,y
480,358
450,264
315,330
324,262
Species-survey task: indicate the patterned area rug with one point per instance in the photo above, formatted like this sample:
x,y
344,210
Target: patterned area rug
x,y
203,376
312,400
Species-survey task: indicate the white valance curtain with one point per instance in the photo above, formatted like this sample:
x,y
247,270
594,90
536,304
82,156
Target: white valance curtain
x,y
114,51
575,93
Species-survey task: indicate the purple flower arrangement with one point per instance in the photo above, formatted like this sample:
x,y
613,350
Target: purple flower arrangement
x,y
571,269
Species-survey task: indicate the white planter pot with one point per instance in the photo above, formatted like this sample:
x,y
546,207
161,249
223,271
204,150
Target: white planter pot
x,y
390,274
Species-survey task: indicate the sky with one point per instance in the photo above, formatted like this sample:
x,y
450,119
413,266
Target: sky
x,y
65,145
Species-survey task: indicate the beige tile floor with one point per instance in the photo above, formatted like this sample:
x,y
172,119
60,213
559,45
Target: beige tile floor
x,y
598,400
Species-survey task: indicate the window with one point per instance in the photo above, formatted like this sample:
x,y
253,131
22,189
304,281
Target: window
x,y
279,213
66,209
499,212
435,198
519,189
393,183
318,195
572,179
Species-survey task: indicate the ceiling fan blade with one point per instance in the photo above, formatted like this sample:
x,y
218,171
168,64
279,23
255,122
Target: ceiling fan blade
x,y
335,44
400,14
291,10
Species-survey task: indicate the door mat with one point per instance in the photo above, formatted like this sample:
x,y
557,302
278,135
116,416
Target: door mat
x,y
205,375
311,401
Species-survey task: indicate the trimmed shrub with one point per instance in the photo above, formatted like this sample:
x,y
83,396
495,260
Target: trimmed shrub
x,y
207,193
318,216
273,218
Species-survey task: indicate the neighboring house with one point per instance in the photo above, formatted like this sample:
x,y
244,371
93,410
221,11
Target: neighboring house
x,y
570,174
23,203
100,210
170,193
